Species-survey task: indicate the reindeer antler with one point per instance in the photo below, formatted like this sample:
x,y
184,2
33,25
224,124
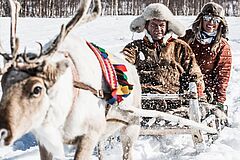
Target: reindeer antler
x,y
95,13
1,48
50,50
14,42
15,8
80,17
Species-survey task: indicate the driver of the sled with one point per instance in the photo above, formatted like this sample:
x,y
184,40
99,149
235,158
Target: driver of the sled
x,y
164,63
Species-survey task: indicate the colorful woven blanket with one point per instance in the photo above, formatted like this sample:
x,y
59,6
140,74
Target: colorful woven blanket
x,y
114,75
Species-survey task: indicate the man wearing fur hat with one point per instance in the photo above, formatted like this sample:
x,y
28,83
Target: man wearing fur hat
x,y
161,60
207,39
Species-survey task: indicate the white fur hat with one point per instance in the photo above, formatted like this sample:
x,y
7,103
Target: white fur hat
x,y
157,11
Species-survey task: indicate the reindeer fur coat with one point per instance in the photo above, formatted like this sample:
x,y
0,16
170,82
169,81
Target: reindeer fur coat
x,y
161,65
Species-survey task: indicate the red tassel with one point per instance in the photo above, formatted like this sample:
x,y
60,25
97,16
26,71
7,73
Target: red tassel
x,y
120,67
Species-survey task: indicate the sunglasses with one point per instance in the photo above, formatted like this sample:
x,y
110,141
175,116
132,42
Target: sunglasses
x,y
209,18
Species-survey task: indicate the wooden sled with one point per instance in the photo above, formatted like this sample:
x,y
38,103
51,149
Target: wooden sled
x,y
203,124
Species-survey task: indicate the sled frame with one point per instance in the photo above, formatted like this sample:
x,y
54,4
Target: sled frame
x,y
194,114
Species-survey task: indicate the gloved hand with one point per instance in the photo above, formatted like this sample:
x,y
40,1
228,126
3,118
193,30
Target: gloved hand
x,y
221,111
219,105
221,116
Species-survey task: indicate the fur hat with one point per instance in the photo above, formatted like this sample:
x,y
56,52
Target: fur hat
x,y
213,9
157,11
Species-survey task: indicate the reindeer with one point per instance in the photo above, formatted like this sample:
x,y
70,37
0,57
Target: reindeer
x,y
58,94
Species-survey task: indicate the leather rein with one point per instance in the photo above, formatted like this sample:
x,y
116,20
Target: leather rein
x,y
80,85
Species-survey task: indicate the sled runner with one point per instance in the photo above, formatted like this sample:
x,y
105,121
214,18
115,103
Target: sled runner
x,y
194,117
199,119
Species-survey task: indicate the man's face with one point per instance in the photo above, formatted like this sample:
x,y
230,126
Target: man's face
x,y
157,28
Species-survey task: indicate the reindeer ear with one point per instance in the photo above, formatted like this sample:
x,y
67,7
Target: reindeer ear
x,y
51,72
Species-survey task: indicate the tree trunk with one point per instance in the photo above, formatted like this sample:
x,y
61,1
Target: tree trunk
x,y
116,7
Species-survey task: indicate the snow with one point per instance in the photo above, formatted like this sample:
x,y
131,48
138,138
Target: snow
x,y
112,33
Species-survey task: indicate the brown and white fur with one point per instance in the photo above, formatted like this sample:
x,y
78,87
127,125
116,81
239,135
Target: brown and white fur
x,y
40,97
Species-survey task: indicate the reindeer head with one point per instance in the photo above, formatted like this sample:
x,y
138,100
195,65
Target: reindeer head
x,y
25,83
26,79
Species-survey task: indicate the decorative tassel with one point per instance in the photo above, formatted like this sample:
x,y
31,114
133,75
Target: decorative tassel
x,y
114,74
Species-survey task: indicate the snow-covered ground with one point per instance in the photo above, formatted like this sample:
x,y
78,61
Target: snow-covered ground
x,y
113,33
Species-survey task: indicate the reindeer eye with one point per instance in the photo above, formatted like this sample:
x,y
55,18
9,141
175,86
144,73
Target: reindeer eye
x,y
37,91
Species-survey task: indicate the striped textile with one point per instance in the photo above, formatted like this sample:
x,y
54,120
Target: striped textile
x,y
114,75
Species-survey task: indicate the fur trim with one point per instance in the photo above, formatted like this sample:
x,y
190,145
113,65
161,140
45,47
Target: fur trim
x,y
157,11
138,24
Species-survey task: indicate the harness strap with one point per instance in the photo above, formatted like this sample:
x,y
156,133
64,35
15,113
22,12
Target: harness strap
x,y
97,93
118,121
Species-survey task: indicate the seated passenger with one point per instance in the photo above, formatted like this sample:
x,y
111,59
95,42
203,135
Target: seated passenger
x,y
207,39
165,64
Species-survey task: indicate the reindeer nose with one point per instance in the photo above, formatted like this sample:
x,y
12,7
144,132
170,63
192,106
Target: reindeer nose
x,y
3,135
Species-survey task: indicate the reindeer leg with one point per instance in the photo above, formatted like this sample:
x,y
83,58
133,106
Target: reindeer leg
x,y
129,135
85,146
111,128
50,142
44,154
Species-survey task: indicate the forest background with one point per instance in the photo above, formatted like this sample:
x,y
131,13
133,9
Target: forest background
x,y
66,8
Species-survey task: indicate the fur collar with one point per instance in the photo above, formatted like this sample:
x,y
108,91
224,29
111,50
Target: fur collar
x,y
164,40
